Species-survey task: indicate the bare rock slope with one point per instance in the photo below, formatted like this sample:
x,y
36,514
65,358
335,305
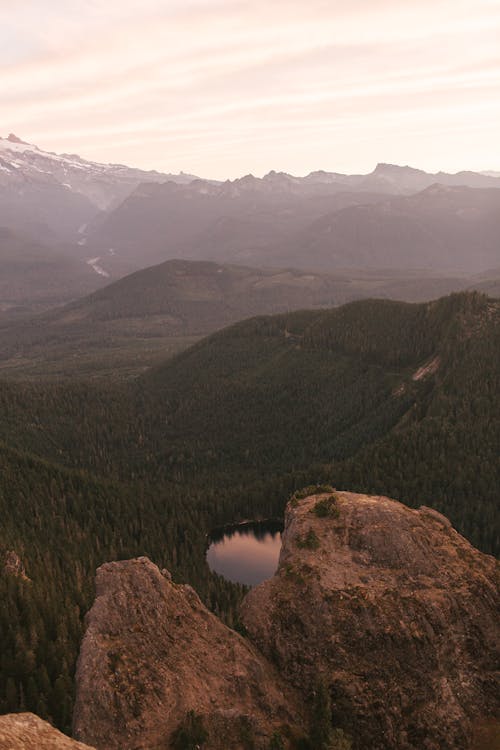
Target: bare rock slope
x,y
152,653
27,732
395,610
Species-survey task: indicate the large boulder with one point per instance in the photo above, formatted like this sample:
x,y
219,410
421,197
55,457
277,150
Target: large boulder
x,y
154,661
394,611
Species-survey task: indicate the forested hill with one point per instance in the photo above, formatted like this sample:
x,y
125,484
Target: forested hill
x,y
377,397
279,394
137,321
386,397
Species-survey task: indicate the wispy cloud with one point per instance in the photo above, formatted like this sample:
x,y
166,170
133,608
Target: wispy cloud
x,y
223,87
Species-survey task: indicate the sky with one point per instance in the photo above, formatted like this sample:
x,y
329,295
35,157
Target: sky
x,y
222,88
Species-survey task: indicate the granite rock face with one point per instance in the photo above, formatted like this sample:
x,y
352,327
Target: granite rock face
x,y
395,611
28,732
152,653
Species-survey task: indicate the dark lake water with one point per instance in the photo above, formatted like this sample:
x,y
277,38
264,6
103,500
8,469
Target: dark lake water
x,y
247,553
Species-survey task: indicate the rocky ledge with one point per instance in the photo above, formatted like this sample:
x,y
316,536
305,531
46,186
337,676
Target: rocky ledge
x,y
394,612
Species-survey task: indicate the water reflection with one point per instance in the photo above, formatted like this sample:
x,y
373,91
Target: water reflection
x,y
247,553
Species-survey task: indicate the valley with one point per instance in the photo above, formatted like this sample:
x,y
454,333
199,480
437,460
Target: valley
x,y
138,321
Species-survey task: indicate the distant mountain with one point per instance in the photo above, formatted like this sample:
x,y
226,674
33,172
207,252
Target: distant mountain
x,y
116,219
447,228
487,282
60,194
229,222
392,178
247,220
153,313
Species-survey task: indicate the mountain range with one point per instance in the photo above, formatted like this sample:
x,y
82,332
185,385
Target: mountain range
x,y
115,219
279,220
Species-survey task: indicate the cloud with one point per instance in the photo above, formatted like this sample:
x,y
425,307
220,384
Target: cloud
x,y
227,87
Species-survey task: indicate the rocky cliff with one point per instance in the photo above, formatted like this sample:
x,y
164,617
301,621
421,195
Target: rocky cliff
x,y
394,611
28,732
157,669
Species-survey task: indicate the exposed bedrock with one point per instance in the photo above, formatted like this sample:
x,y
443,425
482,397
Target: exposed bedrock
x,y
396,612
152,653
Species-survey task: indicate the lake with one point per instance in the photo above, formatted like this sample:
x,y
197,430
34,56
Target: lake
x,y
247,553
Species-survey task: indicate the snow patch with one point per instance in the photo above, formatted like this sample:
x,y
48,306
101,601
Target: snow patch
x,y
94,264
20,148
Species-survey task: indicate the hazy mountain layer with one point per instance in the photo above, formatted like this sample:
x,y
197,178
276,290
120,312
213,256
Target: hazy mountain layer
x,y
442,227
116,219
452,228
34,275
141,319
230,222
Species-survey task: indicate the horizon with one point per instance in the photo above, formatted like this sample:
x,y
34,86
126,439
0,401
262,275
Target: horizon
x,y
224,89
15,138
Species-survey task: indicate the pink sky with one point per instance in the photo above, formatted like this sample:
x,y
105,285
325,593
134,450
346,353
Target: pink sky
x,y
222,87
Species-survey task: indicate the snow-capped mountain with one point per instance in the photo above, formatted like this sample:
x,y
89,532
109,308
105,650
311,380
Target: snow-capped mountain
x,y
53,196
103,184
110,219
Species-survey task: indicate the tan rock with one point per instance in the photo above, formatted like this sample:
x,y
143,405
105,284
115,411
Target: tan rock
x,y
396,610
13,565
152,652
28,732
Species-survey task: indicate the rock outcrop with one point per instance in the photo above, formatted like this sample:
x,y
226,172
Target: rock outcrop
x,y
155,661
28,732
13,565
394,610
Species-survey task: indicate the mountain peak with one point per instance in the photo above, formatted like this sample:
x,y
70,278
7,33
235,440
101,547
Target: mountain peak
x,y
386,168
13,138
274,175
